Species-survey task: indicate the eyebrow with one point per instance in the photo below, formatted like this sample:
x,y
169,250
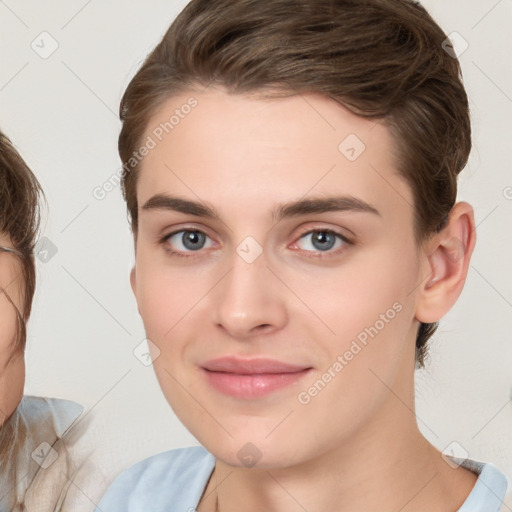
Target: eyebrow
x,y
167,202
288,210
323,205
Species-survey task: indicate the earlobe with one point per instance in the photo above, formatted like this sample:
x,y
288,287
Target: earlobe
x,y
447,256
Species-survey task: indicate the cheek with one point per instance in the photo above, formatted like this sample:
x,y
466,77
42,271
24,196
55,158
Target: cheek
x,y
12,367
12,379
356,294
11,276
166,298
157,293
368,308
8,323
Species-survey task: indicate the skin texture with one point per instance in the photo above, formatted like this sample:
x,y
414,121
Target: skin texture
x,y
355,445
12,364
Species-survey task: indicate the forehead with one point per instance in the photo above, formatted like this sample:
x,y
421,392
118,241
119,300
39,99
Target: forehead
x,y
238,150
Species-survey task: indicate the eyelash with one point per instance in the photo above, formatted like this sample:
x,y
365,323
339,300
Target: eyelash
x,y
312,254
179,254
330,253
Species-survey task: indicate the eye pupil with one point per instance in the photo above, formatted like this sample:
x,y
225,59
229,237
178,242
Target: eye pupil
x,y
323,240
193,240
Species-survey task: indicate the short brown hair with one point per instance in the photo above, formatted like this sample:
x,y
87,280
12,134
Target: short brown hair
x,y
20,193
381,59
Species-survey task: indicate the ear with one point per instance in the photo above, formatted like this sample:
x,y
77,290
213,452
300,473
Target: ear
x,y
133,284
447,256
133,280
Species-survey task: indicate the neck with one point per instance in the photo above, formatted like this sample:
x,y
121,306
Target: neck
x,y
407,475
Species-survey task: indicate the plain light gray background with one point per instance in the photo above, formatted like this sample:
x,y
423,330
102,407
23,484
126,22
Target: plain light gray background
x,y
60,111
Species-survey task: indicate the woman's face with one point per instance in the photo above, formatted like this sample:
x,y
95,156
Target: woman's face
x,y
276,273
12,365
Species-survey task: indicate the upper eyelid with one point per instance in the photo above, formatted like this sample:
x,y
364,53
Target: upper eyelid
x,y
323,229
346,240
166,237
323,226
339,232
307,231
184,229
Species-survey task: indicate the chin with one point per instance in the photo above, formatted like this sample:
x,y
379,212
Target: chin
x,y
8,405
251,452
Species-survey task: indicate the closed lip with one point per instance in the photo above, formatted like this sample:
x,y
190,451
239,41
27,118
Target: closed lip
x,y
251,378
253,366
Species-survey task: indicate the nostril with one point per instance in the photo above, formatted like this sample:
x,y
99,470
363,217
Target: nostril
x,y
263,327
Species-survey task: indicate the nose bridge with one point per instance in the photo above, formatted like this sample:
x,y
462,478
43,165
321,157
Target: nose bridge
x,y
248,298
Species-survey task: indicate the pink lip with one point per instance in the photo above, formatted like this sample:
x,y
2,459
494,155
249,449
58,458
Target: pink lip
x,y
251,378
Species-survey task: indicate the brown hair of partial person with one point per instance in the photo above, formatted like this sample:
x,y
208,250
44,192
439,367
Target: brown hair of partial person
x,y
381,59
19,221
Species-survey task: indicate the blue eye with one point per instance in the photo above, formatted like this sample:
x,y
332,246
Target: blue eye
x,y
188,240
321,240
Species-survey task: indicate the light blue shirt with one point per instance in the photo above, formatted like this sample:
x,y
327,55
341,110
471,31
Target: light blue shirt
x,y
174,481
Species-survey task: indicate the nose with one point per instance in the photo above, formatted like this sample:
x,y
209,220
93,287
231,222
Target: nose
x,y
250,300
